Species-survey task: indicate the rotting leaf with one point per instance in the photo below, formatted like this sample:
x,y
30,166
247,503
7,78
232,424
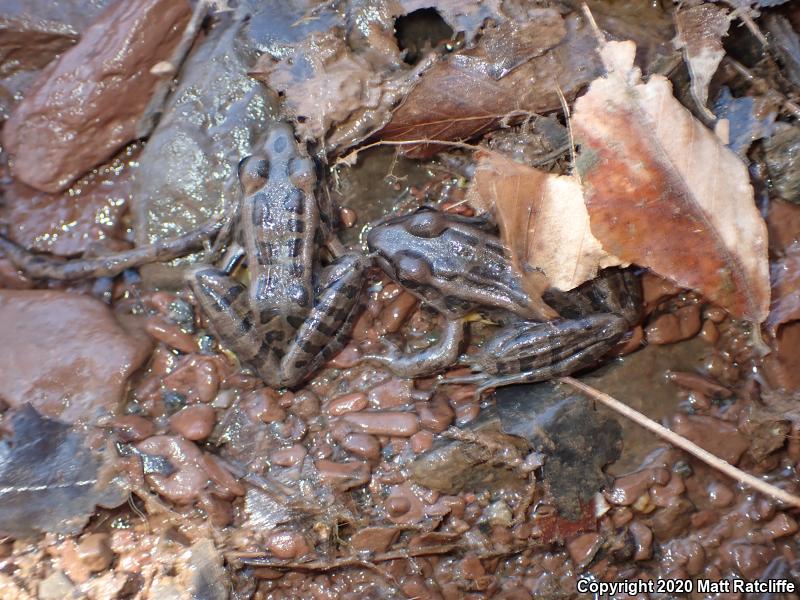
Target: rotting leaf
x,y
543,222
459,98
49,479
336,94
664,193
743,120
700,32
785,275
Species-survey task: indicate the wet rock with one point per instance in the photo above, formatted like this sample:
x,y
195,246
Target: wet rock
x,y
64,353
781,154
673,327
194,422
71,118
718,437
56,587
49,478
130,428
287,544
87,216
34,32
392,423
94,551
211,122
186,477
576,441
374,539
343,475
583,548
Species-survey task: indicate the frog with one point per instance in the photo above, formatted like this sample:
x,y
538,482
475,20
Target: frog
x,y
293,314
457,265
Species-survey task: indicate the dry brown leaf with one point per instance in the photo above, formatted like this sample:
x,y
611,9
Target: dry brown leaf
x,y
700,32
461,97
785,275
543,221
336,94
664,193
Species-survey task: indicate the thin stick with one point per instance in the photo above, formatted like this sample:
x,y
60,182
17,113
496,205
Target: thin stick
x,y
684,444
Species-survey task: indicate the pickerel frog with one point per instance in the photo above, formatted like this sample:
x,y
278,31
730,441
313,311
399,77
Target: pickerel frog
x,y
293,316
456,265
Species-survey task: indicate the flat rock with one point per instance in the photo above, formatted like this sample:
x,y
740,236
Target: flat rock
x,y
64,353
72,118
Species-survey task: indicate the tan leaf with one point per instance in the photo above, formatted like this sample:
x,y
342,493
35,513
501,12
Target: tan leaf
x,y
700,32
664,193
462,96
543,221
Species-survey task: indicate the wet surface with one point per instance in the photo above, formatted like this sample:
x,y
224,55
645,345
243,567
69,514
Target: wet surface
x,y
360,483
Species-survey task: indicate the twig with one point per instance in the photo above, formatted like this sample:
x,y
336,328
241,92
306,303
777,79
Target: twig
x,y
684,444
349,159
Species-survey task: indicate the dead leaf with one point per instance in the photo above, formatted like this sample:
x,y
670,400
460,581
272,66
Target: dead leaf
x,y
543,222
664,193
336,94
785,275
460,98
700,32
747,118
48,478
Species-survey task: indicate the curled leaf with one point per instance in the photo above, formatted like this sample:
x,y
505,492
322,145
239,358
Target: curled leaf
x,y
663,192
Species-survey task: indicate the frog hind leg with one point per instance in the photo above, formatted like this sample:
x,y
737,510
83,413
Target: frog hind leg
x,y
433,359
327,327
224,302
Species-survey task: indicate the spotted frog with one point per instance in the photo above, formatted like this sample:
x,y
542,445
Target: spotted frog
x,y
292,316
456,265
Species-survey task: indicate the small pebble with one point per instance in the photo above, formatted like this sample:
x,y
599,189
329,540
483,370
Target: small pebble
x,y
400,424
95,552
583,548
343,475
709,332
643,538
362,445
353,402
195,422
171,335
673,327
288,457
348,216
287,544
130,428
422,441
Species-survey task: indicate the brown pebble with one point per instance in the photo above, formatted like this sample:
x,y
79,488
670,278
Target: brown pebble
x,y
393,393
95,552
719,437
397,506
353,402
709,332
629,488
195,422
749,559
287,544
189,478
720,495
226,484
715,314
781,526
422,441
362,445
436,415
656,289
662,494
343,475
264,405
305,404
673,327
643,538
374,539
403,506
394,315
348,217
348,357
171,335
400,424
698,383
218,510
583,548
621,516
130,428
288,457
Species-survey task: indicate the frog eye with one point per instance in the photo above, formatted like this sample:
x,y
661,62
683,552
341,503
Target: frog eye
x,y
412,270
426,224
253,173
